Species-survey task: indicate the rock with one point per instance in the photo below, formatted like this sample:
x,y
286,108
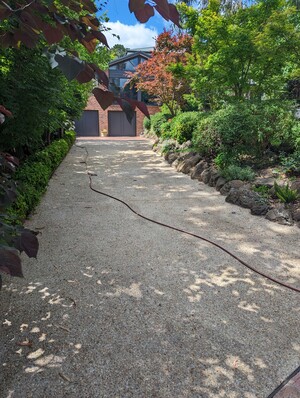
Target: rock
x,y
186,155
221,181
205,175
259,208
172,157
231,184
264,181
183,157
186,165
244,197
295,210
296,185
281,215
185,145
196,173
176,162
213,178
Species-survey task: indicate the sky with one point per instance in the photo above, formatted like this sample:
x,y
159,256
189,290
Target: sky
x,y
132,33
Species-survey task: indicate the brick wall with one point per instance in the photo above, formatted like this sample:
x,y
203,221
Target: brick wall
x,y
93,105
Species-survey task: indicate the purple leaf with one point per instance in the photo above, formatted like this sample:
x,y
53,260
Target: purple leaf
x,y
144,14
174,15
10,262
163,5
135,5
127,107
143,108
28,243
89,6
86,75
70,67
5,111
4,12
105,98
100,75
52,34
101,37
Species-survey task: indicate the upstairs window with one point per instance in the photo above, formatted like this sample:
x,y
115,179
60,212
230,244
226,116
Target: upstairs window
x,y
129,65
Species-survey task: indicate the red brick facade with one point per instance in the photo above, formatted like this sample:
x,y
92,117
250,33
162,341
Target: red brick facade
x,y
93,105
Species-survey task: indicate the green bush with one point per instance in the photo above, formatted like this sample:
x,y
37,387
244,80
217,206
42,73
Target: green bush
x,y
291,163
183,125
33,176
157,120
147,124
247,129
234,172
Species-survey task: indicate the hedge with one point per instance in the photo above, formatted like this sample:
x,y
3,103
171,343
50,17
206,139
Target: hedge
x,y
33,176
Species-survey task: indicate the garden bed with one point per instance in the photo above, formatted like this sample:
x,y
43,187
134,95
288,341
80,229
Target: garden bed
x,y
266,192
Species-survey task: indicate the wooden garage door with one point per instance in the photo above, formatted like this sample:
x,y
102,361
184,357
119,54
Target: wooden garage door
x,y
88,124
118,125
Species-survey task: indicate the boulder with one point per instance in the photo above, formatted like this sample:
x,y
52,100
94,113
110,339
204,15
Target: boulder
x,y
172,157
186,165
264,181
221,181
196,173
231,184
280,215
296,185
295,210
176,162
213,178
205,175
244,197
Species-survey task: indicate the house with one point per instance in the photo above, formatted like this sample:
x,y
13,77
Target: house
x,y
95,120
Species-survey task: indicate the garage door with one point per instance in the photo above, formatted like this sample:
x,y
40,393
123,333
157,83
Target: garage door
x,y
88,124
118,125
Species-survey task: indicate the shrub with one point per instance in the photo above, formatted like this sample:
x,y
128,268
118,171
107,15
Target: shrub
x,y
285,194
157,120
147,124
183,125
34,174
234,172
248,129
291,163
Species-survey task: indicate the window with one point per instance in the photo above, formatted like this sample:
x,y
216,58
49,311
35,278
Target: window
x,y
118,87
129,65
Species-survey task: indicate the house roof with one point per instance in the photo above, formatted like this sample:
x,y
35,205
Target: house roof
x,y
132,54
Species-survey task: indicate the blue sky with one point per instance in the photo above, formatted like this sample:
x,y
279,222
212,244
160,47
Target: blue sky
x,y
132,33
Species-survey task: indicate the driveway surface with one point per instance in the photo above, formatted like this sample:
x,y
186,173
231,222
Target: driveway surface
x,y
115,306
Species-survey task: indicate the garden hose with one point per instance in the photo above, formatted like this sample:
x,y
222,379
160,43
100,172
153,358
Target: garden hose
x,y
278,282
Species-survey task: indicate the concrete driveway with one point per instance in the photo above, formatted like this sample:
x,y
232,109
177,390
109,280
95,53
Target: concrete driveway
x,y
118,307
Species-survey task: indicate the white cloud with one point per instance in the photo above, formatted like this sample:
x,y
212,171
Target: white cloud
x,y
131,36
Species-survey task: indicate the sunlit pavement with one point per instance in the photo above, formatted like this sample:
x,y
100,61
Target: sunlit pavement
x,y
117,307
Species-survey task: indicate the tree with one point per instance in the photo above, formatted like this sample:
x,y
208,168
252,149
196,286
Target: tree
x,y
118,50
40,98
241,54
160,76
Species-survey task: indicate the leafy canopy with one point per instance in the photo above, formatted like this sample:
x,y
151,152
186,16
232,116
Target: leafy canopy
x,y
160,76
